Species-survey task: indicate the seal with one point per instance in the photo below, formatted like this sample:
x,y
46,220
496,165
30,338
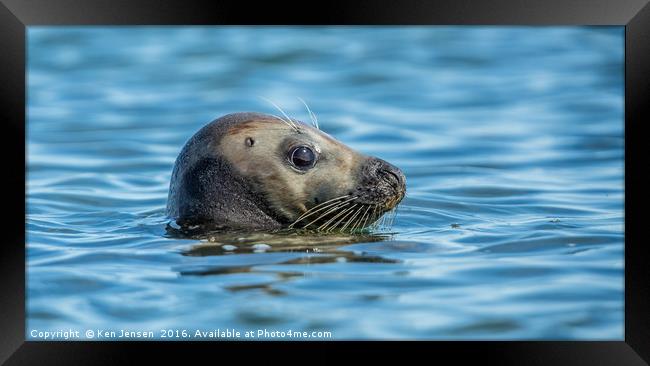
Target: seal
x,y
262,172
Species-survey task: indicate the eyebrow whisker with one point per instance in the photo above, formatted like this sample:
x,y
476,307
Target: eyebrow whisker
x,y
288,121
312,115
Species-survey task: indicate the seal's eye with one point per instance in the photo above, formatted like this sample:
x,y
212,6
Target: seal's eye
x,y
302,157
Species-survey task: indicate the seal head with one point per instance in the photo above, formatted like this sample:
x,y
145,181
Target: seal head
x,y
257,171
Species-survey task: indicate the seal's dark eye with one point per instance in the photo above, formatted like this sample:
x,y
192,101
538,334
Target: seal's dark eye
x,y
302,157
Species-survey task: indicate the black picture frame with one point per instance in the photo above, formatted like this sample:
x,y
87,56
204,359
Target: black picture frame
x,y
16,15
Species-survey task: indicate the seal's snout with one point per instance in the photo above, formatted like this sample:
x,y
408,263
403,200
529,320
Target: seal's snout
x,y
393,175
383,183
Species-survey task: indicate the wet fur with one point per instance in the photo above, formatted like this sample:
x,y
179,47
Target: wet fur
x,y
205,188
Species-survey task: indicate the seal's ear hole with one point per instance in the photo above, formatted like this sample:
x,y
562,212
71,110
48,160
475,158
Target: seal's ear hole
x,y
249,141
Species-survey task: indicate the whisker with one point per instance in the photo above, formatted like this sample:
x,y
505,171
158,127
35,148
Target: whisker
x,y
353,217
289,121
378,214
374,216
392,218
336,207
366,220
322,227
332,199
383,221
357,223
325,214
361,219
349,211
317,208
312,115
283,120
387,220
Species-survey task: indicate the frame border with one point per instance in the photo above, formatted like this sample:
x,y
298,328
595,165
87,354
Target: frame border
x,y
16,15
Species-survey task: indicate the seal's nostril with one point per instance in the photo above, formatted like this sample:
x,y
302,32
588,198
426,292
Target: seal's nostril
x,y
388,173
393,175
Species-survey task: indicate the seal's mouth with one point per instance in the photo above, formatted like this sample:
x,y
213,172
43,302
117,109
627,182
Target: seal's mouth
x,y
381,188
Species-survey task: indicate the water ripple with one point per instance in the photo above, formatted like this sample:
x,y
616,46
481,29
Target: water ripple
x,y
511,139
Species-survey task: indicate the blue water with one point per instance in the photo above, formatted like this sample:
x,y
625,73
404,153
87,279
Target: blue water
x,y
511,139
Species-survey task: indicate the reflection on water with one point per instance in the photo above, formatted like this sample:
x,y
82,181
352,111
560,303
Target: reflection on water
x,y
511,139
306,248
324,248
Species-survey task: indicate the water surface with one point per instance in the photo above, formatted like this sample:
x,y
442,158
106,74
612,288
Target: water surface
x,y
511,139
